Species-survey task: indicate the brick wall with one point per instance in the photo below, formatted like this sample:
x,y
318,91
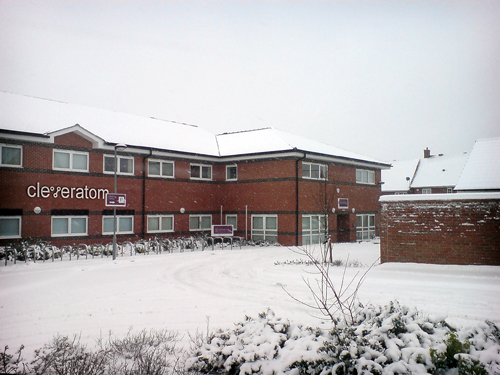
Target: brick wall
x,y
441,228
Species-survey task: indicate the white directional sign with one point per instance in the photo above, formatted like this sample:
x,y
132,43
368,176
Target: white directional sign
x,y
116,200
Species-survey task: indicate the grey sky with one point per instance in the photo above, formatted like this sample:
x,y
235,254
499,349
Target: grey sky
x,y
384,79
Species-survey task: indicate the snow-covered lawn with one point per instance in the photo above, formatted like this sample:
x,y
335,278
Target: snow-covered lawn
x,y
184,291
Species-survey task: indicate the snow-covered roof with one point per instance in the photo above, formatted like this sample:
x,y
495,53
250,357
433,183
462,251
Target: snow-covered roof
x,y
272,139
399,177
34,115
435,171
42,116
482,170
439,170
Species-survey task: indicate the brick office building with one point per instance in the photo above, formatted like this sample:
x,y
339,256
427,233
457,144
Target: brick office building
x,y
179,179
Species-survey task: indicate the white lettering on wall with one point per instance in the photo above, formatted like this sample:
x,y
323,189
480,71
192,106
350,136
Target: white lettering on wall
x,y
37,191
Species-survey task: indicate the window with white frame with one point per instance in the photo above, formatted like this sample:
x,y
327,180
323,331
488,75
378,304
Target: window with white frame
x,y
160,168
11,155
231,172
313,229
70,161
427,191
232,220
314,171
343,203
449,190
265,228
10,226
200,222
365,176
201,172
365,227
124,224
160,223
69,226
125,164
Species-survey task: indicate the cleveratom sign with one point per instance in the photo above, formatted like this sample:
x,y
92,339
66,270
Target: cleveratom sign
x,y
37,191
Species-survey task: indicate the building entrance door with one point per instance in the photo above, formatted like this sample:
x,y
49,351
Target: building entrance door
x,y
343,229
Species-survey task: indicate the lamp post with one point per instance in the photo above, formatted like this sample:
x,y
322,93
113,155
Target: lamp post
x,y
119,146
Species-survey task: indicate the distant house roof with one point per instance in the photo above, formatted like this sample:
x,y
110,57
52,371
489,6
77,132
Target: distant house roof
x,y
482,170
434,171
399,177
439,170
34,115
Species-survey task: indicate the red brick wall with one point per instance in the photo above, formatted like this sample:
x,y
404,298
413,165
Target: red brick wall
x,y
72,139
453,231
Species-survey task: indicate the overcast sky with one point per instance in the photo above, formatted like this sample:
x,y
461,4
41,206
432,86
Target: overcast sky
x,y
381,78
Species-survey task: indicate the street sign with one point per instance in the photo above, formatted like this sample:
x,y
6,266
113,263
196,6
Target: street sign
x,y
116,200
222,230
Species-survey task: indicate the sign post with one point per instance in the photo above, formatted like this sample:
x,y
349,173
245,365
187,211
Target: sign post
x,y
115,200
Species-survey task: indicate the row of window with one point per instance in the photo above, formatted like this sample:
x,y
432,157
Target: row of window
x,y
264,227
320,172
77,161
425,191
10,226
429,190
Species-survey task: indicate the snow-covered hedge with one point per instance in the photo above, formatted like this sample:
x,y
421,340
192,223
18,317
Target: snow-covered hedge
x,y
390,339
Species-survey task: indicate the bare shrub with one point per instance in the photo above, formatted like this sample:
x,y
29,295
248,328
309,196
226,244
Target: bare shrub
x,y
12,363
147,352
329,299
68,356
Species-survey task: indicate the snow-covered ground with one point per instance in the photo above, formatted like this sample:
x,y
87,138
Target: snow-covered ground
x,y
182,291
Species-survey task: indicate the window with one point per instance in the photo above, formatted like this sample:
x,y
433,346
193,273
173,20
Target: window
x,y
200,222
232,220
69,226
314,171
427,191
364,176
365,227
124,224
11,155
159,168
313,229
231,172
125,164
71,160
449,190
203,172
10,226
160,223
265,228
343,203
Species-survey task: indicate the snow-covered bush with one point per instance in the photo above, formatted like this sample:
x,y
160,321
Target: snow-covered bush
x,y
390,339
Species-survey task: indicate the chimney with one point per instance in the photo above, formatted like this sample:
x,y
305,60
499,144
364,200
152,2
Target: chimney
x,y
427,153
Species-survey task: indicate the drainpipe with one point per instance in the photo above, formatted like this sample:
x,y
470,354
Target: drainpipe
x,y
144,193
297,198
